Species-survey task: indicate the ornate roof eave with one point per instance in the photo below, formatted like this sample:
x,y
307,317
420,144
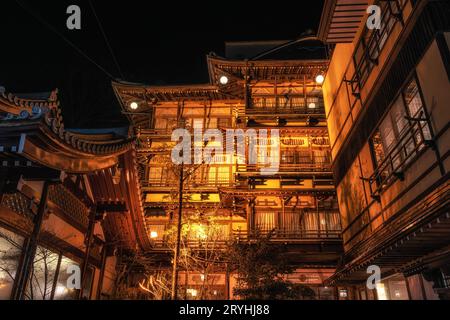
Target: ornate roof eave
x,y
37,129
218,66
13,104
169,93
40,144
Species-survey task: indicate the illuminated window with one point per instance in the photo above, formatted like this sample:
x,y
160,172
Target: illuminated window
x,y
401,133
63,292
10,252
343,293
42,276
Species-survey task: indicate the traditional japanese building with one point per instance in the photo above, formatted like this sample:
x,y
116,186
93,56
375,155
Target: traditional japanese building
x,y
69,203
386,97
260,86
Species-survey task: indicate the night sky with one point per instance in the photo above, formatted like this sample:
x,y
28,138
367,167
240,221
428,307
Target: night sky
x,y
155,42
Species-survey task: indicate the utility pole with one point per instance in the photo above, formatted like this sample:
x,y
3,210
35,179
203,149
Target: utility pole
x,y
178,240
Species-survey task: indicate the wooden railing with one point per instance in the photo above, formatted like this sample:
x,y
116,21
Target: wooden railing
x,y
298,104
18,203
292,236
283,167
392,167
69,204
374,44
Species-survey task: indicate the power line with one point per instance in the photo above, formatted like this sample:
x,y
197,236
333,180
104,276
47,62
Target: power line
x,y
106,39
48,25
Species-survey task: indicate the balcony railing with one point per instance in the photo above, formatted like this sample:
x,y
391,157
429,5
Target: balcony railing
x,y
414,139
292,236
299,106
198,184
18,203
286,168
69,204
371,44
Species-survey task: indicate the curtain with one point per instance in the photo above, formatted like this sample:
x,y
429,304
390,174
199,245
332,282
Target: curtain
x,y
265,221
310,224
290,222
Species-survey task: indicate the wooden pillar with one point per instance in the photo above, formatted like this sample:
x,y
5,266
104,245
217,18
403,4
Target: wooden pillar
x,y
31,245
227,281
88,240
422,287
102,272
250,217
55,281
408,288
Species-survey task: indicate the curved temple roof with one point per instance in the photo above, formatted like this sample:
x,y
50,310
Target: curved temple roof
x,y
37,125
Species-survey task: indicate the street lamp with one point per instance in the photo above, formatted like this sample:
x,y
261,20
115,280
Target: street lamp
x,y
134,105
320,79
223,80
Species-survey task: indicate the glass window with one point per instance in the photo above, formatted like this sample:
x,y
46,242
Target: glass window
x,y
212,175
401,133
211,123
63,291
310,224
265,221
10,253
155,174
290,223
416,109
87,285
40,284
224,174
161,123
197,123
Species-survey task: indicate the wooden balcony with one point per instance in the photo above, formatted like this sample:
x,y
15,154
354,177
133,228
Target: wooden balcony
x,y
278,236
286,169
18,203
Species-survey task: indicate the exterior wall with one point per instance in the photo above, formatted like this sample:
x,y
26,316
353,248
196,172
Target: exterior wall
x,y
355,197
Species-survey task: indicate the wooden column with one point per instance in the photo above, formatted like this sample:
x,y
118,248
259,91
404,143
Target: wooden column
x,y
31,245
55,281
102,272
227,281
88,240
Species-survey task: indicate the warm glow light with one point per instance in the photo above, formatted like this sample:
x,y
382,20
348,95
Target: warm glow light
x,y
192,292
134,105
153,234
320,79
223,80
381,291
312,105
202,276
200,231
60,290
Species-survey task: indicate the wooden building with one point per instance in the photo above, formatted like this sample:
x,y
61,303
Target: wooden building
x,y
69,203
386,97
259,86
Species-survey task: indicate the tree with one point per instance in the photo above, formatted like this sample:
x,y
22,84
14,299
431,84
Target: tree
x,y
261,270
